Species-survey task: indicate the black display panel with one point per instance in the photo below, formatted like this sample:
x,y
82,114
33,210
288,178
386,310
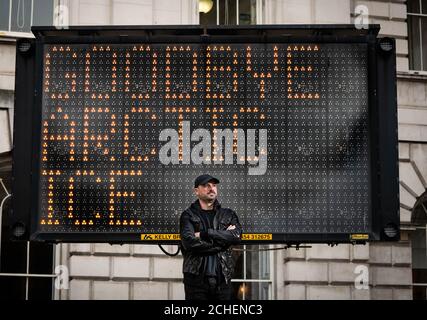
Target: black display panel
x,y
297,162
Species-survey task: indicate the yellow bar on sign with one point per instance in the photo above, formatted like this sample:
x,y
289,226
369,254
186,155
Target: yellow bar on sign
x,y
176,236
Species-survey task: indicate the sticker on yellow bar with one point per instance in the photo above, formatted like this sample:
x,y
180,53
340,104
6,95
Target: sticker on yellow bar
x,y
159,236
359,236
257,236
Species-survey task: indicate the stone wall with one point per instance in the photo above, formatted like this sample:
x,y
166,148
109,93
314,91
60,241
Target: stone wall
x,y
323,272
130,272
7,85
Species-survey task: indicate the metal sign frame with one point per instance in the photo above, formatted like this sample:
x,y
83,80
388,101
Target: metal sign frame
x,y
383,143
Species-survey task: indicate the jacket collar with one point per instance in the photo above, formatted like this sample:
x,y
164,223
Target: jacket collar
x,y
195,206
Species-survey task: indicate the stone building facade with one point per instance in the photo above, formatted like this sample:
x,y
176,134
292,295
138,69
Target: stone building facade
x,y
102,271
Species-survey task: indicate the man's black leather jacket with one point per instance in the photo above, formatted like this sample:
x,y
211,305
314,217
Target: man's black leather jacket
x,y
218,242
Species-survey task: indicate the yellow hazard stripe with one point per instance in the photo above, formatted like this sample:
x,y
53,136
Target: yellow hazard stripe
x,y
176,236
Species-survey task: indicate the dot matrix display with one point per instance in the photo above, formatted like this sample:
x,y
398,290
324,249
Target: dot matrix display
x,y
104,106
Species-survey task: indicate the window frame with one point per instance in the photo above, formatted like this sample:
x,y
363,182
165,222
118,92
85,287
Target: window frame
x,y
421,16
258,16
270,281
21,34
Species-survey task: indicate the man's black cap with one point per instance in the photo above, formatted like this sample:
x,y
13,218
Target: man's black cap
x,y
203,179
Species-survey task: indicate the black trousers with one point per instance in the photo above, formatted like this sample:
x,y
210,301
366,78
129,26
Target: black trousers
x,y
197,288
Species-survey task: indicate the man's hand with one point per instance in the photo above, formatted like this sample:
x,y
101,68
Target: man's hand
x,y
230,227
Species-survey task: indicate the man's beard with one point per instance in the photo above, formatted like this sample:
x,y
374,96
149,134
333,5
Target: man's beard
x,y
209,195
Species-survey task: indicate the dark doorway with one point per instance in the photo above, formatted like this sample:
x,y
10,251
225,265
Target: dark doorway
x,y
419,249
14,253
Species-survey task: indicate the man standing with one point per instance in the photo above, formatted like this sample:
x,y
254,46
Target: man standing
x,y
207,232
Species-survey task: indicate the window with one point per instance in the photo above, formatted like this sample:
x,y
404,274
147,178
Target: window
x,y
417,32
20,15
419,249
227,12
252,278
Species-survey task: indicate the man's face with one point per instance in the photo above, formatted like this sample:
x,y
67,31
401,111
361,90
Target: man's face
x,y
207,192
